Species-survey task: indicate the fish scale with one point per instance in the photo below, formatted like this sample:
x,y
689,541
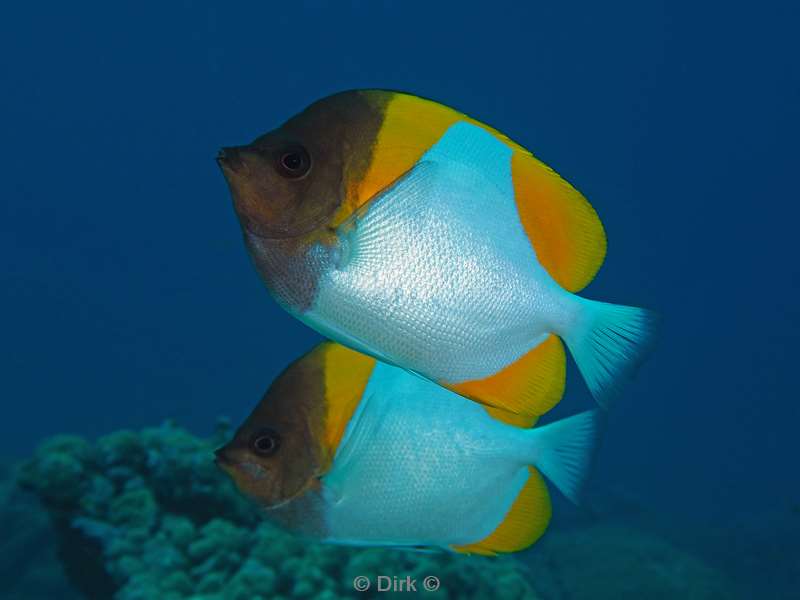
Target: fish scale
x,y
461,307
399,460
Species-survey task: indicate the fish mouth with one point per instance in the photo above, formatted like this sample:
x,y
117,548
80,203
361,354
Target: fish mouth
x,y
222,459
229,159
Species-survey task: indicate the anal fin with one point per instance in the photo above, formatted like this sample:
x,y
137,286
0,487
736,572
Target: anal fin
x,y
524,523
523,390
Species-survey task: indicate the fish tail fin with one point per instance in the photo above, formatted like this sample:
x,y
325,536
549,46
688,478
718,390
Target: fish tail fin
x,y
608,343
563,451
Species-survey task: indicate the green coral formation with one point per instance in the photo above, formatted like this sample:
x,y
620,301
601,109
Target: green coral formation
x,y
29,567
147,515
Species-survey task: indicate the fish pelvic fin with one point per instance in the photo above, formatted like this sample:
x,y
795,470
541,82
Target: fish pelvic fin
x,y
524,523
523,390
609,342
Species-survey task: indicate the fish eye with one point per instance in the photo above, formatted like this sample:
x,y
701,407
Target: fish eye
x,y
266,442
294,162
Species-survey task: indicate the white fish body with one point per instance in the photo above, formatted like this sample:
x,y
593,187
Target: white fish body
x,y
437,275
422,278
421,466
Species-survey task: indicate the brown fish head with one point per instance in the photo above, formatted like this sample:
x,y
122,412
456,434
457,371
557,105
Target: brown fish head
x,y
290,182
288,442
277,453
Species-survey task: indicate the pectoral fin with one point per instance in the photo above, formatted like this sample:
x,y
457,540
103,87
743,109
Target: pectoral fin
x,y
364,233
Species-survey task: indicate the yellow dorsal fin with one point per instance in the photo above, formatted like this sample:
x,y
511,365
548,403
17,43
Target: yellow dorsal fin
x,y
411,125
563,227
346,375
527,388
524,523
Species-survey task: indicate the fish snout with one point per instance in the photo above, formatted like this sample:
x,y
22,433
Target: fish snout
x,y
230,160
222,457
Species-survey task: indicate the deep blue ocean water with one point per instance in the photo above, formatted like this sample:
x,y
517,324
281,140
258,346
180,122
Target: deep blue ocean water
x,y
126,296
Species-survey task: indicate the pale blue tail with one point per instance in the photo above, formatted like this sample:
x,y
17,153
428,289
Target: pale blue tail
x,y
608,343
563,451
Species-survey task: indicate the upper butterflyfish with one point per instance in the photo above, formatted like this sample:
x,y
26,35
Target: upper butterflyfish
x,y
413,233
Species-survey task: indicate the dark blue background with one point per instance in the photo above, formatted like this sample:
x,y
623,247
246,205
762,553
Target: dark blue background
x,y
127,297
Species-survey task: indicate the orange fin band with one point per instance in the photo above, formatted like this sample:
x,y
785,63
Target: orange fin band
x,y
526,388
563,228
524,523
346,375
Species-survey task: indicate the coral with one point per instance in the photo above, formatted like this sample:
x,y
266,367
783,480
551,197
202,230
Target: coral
x,y
147,515
29,568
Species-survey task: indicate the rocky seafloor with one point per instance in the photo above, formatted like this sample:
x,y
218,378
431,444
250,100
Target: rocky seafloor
x,y
147,515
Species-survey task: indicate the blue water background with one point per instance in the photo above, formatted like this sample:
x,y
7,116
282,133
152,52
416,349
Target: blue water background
x,y
126,296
